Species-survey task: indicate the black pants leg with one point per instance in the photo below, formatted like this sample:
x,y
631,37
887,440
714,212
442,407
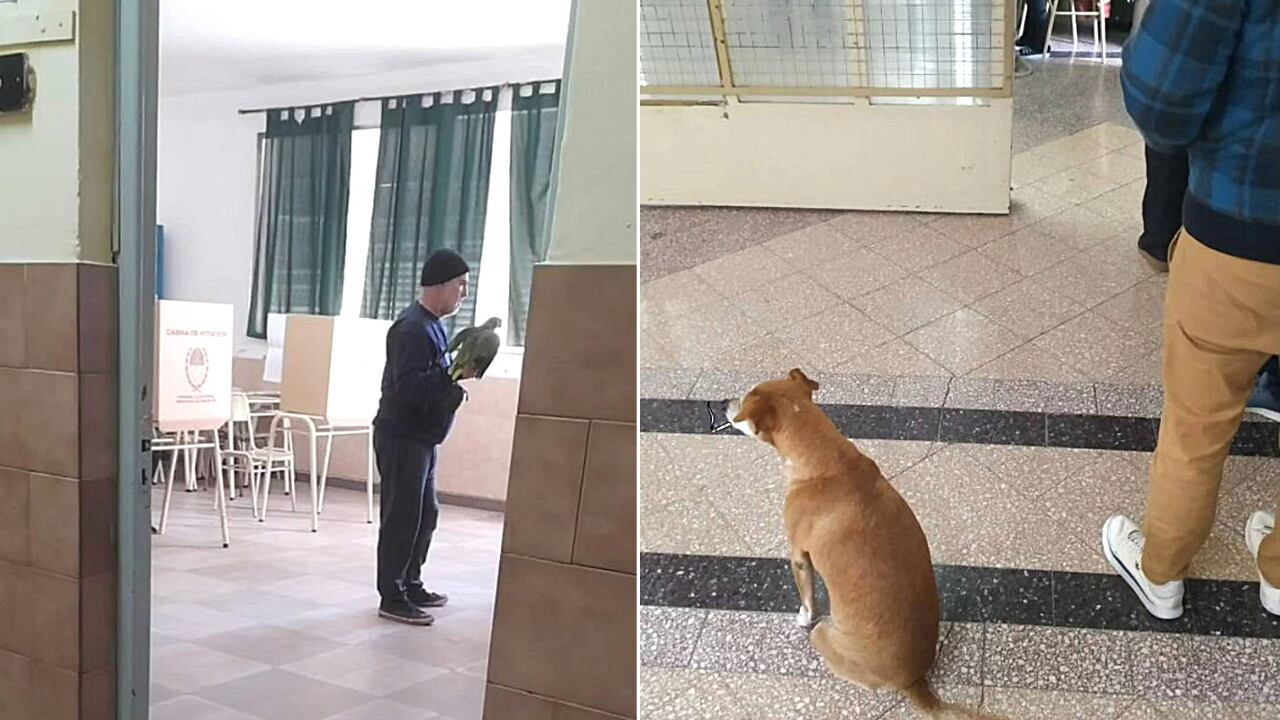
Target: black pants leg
x,y
1037,27
1162,201
408,497
426,526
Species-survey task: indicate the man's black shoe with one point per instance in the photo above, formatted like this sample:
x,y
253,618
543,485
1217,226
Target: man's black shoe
x,y
423,598
403,611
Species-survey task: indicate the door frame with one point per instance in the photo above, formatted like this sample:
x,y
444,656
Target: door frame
x,y
134,245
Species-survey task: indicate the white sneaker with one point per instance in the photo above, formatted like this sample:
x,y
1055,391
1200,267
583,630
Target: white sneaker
x,y
1260,525
1122,545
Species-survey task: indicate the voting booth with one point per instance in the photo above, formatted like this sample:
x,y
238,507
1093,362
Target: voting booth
x,y
192,391
332,367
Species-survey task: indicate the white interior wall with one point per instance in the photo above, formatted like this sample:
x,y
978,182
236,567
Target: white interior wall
x,y
206,169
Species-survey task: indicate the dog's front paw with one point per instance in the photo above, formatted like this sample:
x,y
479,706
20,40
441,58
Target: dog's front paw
x,y
804,618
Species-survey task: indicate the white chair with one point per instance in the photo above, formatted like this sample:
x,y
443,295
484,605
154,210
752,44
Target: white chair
x,y
1098,13
256,462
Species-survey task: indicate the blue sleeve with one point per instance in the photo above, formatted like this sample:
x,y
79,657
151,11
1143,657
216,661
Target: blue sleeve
x,y
418,377
1174,65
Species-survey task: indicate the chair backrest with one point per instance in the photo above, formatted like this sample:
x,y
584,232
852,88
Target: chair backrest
x,y
239,407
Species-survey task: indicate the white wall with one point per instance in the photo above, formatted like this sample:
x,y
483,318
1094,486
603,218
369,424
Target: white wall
x,y
595,211
207,175
56,174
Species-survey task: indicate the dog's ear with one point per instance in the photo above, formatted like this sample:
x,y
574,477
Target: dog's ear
x,y
758,410
798,374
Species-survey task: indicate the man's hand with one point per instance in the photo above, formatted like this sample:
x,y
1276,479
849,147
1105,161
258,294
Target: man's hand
x,y
468,374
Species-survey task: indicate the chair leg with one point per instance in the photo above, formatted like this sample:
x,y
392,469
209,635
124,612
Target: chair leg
x,y
266,494
1048,34
253,488
168,493
1102,21
219,478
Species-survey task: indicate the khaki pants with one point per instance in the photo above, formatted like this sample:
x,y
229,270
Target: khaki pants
x,y
1221,323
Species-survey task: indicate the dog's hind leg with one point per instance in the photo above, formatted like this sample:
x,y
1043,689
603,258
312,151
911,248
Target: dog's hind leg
x,y
802,570
826,638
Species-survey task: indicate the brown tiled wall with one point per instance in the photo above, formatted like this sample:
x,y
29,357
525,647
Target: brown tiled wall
x,y
57,491
564,623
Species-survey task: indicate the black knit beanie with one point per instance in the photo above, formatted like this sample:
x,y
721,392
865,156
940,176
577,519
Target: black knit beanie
x,y
443,266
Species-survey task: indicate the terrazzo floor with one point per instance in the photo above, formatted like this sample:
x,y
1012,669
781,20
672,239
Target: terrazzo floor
x,y
1004,372
283,624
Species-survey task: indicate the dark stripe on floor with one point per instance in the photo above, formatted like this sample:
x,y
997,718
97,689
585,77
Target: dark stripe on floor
x,y
954,425
969,594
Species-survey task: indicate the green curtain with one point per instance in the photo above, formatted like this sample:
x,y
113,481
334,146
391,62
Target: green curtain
x,y
433,186
301,235
533,139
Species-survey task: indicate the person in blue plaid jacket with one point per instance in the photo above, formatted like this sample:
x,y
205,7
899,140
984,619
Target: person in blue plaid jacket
x,y
1204,76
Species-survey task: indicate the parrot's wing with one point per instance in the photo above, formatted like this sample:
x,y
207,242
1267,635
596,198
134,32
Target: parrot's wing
x,y
461,338
486,349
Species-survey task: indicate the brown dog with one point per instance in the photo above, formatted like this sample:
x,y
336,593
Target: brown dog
x,y
847,523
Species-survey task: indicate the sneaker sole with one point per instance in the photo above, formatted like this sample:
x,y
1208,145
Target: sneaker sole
x,y
406,621
1123,572
1271,415
1273,608
434,604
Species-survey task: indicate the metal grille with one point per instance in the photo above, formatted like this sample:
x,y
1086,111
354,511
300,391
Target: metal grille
x,y
864,47
676,44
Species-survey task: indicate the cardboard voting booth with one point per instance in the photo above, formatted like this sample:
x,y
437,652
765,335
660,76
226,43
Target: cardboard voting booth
x,y
192,388
332,367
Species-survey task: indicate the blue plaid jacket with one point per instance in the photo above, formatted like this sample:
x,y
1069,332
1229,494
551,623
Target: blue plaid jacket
x,y
1204,76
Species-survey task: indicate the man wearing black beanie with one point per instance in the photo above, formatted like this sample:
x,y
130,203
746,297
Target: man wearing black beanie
x,y
418,404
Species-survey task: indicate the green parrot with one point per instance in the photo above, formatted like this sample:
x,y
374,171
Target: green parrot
x,y
475,347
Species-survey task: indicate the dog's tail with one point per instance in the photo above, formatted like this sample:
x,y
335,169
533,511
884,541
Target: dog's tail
x,y
922,696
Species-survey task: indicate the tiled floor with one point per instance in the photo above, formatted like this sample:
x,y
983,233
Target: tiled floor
x,y
1054,294
282,625
1039,334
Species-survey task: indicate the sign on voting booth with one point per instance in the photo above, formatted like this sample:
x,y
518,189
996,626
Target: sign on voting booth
x,y
333,367
192,365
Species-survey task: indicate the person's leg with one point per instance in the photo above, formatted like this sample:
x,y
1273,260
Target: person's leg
x,y
1037,27
413,586
1162,204
1214,306
1219,313
1265,400
401,465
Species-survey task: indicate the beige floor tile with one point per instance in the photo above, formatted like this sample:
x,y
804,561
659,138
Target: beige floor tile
x,y
917,248
1033,472
1087,279
1076,185
768,356
1124,204
830,338
1031,166
952,495
692,526
1156,709
812,246
906,305
789,697
1053,705
1140,307
794,297
970,277
1114,483
893,359
868,228
740,272
1078,227
1028,308
1096,347
977,230
1078,148
856,273
1028,251
1027,362
1117,167
963,341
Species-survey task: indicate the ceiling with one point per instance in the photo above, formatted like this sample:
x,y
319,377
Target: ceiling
x,y
228,44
